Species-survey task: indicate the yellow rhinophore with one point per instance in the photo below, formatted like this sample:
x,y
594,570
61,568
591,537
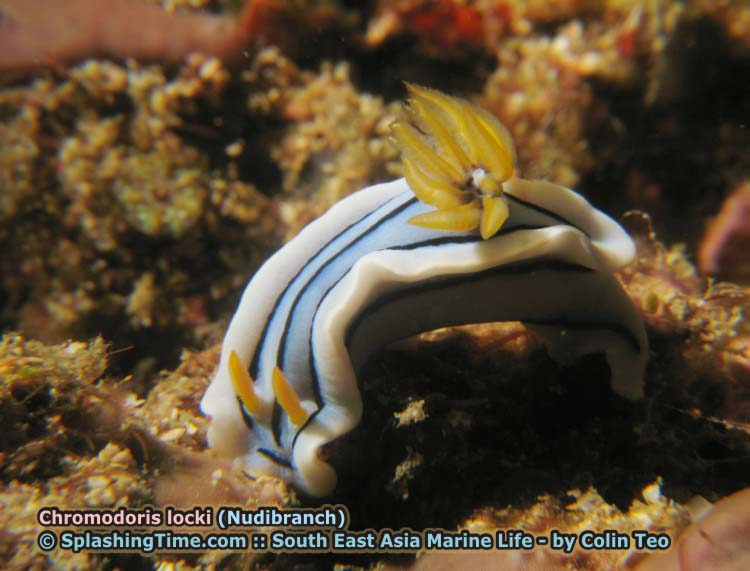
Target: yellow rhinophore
x,y
494,215
242,383
456,157
288,399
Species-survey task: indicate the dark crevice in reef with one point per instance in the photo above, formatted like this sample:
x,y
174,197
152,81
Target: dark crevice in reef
x,y
501,431
677,156
495,433
407,64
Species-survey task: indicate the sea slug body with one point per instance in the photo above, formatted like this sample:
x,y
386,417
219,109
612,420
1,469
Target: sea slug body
x,y
462,239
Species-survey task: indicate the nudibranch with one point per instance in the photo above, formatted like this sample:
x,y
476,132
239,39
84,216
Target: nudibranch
x,y
461,239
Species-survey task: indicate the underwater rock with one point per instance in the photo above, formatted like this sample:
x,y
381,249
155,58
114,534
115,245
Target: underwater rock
x,y
74,438
587,512
18,160
336,144
545,105
50,404
104,181
49,33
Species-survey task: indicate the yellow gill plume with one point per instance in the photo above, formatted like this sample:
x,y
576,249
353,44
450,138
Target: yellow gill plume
x,y
456,156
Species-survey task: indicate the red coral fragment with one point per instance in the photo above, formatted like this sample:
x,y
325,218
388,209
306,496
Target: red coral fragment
x,y
627,43
440,27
